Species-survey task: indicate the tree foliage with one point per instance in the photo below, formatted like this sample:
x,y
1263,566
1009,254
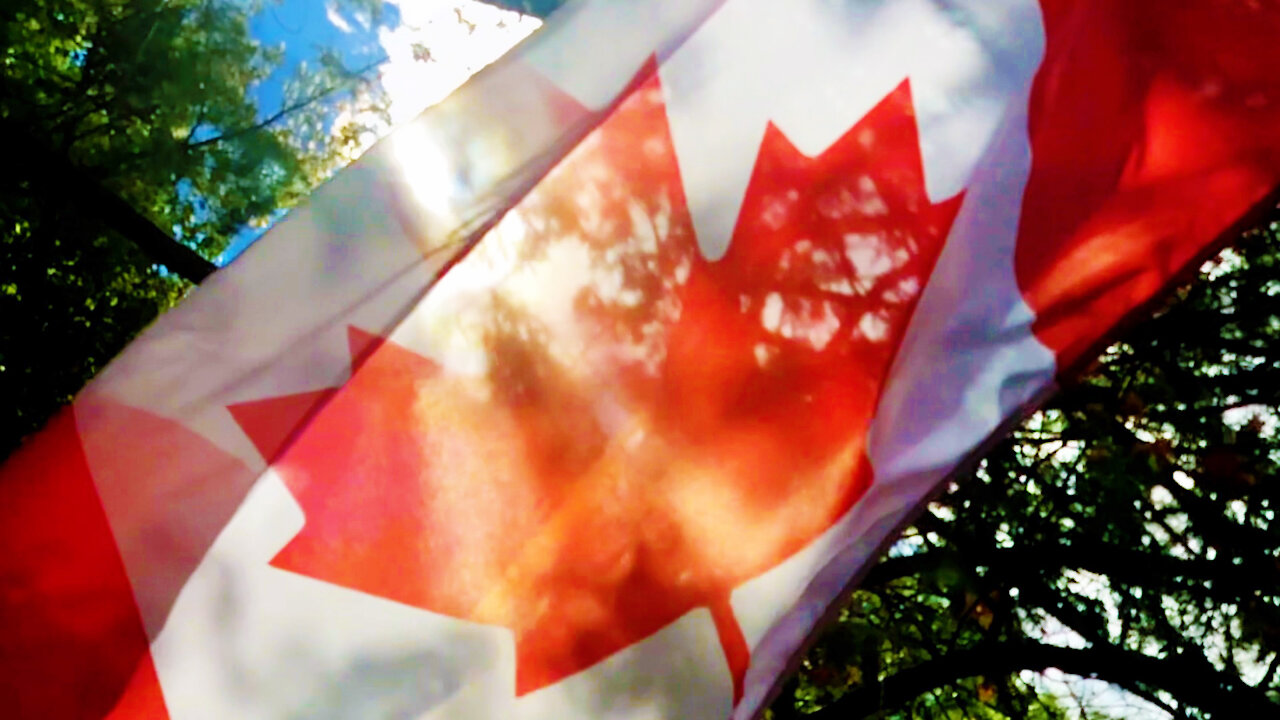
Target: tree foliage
x,y
1124,532
149,101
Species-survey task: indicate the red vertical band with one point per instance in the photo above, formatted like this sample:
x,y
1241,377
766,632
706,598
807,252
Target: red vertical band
x,y
1154,127
73,641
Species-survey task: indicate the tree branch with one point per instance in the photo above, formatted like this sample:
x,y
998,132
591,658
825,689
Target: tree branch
x,y
894,568
1140,567
283,112
60,178
1092,628
1196,681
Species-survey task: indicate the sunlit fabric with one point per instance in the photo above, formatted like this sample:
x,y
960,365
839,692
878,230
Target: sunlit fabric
x,y
1183,121
588,393
638,421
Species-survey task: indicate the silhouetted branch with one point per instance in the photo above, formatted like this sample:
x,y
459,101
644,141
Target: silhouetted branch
x,y
285,111
59,177
1194,678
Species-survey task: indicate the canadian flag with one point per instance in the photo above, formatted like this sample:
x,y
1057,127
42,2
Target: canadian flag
x,y
587,393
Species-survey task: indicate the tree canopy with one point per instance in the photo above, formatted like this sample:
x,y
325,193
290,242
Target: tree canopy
x,y
1124,532
148,102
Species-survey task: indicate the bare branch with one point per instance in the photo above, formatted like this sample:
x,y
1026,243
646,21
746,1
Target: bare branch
x,y
286,111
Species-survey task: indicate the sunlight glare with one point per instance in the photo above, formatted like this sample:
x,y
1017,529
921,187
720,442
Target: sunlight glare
x,y
460,37
427,170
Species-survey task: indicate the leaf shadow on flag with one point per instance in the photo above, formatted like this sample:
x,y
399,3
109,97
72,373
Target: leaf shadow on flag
x,y
644,430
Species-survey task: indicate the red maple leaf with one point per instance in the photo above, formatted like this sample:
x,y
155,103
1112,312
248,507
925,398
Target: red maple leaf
x,y
693,426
